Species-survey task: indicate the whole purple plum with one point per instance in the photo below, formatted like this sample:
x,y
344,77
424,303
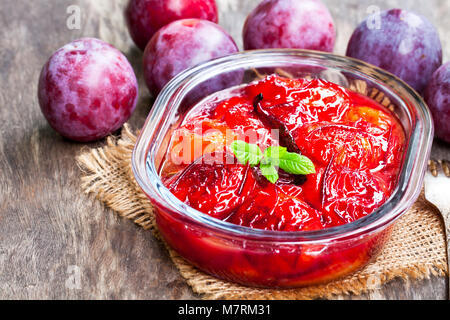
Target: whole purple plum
x,y
403,43
437,96
87,89
301,24
180,45
145,17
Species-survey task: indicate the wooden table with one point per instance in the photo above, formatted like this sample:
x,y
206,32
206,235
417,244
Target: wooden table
x,y
56,243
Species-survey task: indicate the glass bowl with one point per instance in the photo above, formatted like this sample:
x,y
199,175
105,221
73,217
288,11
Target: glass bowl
x,y
277,258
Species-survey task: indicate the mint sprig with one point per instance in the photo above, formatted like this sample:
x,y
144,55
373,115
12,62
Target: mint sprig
x,y
272,158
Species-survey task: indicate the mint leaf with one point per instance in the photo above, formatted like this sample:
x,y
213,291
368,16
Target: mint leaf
x,y
246,153
270,172
296,164
272,155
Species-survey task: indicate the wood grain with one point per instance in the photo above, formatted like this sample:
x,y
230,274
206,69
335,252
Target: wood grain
x,y
46,225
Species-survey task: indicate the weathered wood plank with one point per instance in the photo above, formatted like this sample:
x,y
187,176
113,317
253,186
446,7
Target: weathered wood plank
x,y
46,226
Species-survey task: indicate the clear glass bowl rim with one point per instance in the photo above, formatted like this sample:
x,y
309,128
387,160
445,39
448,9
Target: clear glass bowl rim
x,y
410,179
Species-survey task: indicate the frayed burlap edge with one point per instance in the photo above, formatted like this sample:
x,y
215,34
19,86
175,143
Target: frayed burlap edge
x,y
416,249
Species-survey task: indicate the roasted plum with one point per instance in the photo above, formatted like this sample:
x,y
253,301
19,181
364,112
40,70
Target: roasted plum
x,y
355,144
214,184
270,208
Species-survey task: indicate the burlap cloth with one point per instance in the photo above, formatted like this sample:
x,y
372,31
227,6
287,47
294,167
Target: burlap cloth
x,y
416,249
